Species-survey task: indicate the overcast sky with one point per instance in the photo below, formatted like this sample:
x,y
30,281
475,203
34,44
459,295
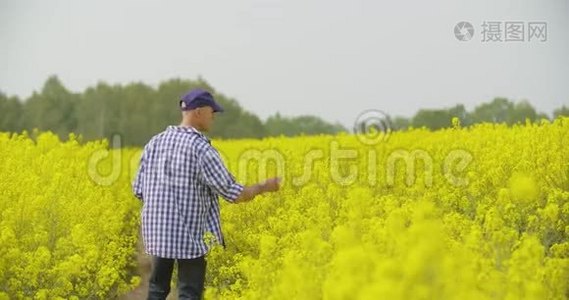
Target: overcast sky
x,y
334,59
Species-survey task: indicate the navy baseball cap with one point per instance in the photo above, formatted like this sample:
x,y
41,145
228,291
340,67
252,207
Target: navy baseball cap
x,y
198,98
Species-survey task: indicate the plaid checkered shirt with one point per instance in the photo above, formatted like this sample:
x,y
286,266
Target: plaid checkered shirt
x,y
179,179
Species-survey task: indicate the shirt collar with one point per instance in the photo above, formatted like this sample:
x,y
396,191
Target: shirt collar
x,y
188,129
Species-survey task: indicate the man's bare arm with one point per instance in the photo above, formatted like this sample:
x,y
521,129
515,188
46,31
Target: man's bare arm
x,y
250,192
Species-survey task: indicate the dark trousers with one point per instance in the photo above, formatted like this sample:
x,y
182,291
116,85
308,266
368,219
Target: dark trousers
x,y
191,277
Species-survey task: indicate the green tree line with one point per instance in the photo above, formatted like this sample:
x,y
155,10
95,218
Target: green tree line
x,y
137,111
499,110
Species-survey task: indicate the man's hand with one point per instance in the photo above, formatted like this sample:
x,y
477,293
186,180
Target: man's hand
x,y
272,184
250,192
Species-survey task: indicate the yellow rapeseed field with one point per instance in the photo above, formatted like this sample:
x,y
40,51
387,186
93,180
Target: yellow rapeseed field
x,y
462,213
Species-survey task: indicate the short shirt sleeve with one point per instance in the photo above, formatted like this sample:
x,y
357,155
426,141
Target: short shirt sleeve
x,y
137,185
217,177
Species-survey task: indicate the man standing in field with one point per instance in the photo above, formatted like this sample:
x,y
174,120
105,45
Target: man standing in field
x,y
179,180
